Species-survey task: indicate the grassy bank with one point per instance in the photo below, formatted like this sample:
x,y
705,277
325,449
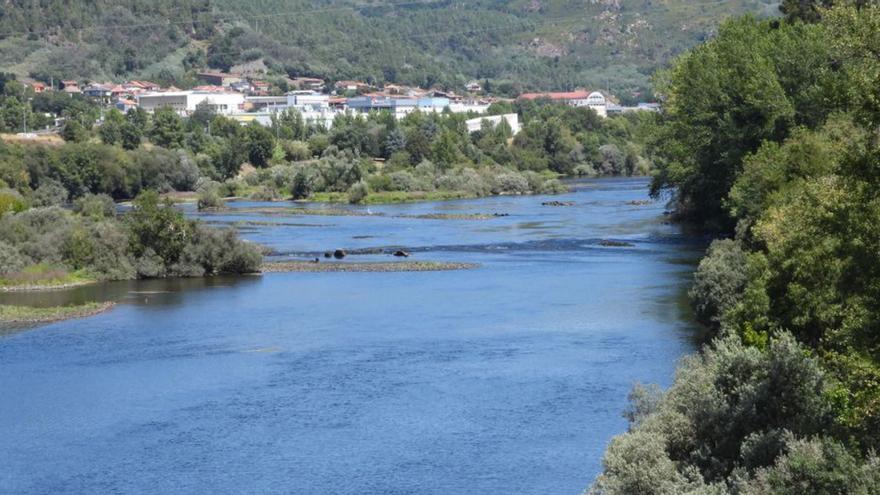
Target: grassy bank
x,y
27,314
390,197
43,277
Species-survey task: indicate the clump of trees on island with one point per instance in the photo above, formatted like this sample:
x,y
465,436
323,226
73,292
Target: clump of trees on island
x,y
52,245
770,138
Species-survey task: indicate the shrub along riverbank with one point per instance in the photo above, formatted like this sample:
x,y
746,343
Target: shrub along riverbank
x,y
52,246
770,137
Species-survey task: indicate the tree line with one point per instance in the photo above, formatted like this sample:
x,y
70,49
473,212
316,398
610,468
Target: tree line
x,y
769,137
57,199
124,154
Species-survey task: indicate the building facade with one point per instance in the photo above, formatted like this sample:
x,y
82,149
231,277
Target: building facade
x,y
512,119
185,102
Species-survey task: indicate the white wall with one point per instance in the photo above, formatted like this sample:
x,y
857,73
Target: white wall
x,y
185,102
512,119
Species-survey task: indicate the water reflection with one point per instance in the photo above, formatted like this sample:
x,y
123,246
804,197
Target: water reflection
x,y
166,291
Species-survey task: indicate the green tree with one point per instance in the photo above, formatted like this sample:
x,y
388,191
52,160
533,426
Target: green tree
x,y
111,129
260,144
730,412
719,281
168,129
74,132
724,99
130,135
157,227
803,10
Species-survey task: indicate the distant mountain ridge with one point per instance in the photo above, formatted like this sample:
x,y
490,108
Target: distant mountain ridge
x,y
515,45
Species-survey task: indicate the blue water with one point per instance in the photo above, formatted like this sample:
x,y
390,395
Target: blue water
x,y
507,378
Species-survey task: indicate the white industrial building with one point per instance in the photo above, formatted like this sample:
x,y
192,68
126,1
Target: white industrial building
x,y
185,102
512,119
305,98
597,102
465,107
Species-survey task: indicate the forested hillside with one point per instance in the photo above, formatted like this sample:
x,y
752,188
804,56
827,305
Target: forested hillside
x,y
522,44
769,136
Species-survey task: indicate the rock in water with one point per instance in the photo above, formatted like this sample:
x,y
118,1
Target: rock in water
x,y
401,252
328,254
339,254
613,243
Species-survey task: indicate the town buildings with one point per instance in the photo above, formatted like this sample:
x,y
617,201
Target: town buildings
x,y
247,99
186,102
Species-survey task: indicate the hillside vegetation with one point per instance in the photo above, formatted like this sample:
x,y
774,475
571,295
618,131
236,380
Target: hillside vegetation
x,y
770,136
522,44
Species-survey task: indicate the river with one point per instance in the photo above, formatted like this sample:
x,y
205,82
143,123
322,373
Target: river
x,y
507,378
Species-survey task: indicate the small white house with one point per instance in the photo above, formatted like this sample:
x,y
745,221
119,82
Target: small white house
x,y
512,119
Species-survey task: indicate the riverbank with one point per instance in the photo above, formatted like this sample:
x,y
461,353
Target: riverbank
x,y
32,315
343,212
383,266
42,277
550,324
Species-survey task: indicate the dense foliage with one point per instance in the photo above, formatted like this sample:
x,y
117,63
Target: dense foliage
x,y
433,155
153,240
512,45
784,158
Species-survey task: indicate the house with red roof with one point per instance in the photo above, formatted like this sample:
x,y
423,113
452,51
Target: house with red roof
x,y
70,86
578,98
312,83
219,78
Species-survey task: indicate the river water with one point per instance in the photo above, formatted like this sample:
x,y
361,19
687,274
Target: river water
x,y
507,378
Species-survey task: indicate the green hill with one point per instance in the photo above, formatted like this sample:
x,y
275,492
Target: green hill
x,y
516,45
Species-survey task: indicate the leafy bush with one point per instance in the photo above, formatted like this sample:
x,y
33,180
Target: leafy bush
x,y
402,181
719,281
11,201
156,226
817,465
265,193
95,206
37,233
318,144
730,413
379,182
216,251
230,188
50,193
510,183
11,259
358,192
209,199
304,182
295,151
